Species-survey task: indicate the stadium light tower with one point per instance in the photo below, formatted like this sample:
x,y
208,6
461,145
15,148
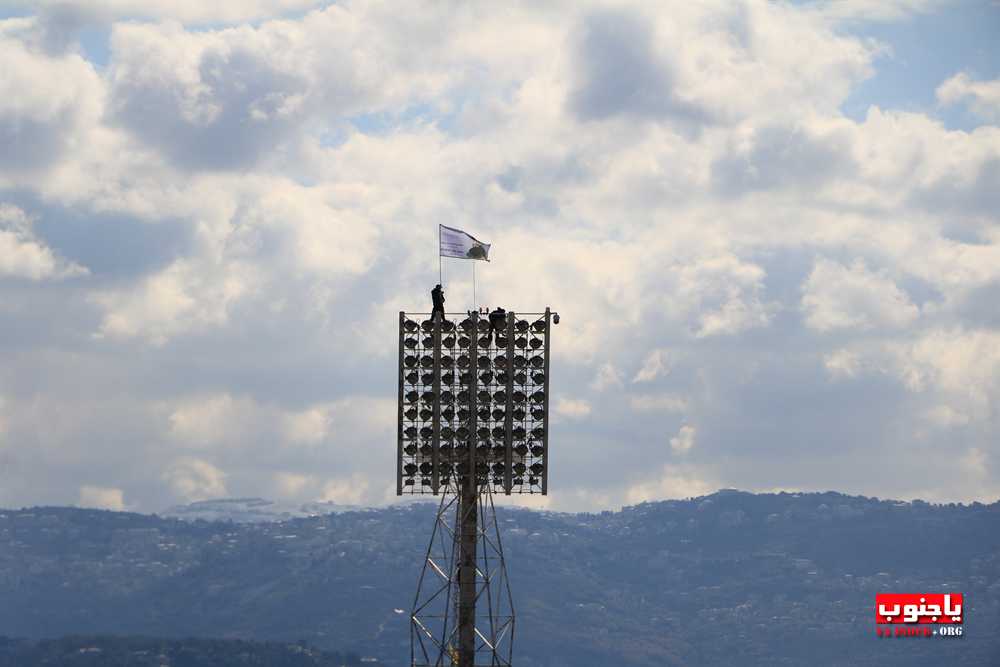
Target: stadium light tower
x,y
473,421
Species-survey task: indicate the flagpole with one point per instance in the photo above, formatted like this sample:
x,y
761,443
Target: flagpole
x,y
440,281
475,304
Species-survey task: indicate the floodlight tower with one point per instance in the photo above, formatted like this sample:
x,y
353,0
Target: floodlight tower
x,y
473,420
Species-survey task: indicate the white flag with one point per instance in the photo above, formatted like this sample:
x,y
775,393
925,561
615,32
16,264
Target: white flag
x,y
456,243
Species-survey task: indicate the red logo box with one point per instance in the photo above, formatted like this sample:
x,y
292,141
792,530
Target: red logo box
x,y
917,608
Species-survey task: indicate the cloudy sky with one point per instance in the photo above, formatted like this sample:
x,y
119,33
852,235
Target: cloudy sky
x,y
771,230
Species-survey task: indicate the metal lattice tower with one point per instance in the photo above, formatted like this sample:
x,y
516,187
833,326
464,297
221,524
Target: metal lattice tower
x,y
440,615
473,420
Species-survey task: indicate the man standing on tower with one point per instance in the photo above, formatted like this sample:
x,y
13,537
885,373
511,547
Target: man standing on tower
x,y
437,296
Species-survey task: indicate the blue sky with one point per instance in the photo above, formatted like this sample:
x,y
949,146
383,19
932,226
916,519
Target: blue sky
x,y
770,229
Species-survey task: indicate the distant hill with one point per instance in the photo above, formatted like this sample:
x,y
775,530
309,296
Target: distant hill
x,y
253,510
731,578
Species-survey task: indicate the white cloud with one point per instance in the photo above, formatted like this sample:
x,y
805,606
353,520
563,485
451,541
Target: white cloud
x,y
190,11
292,485
607,377
843,363
45,105
656,364
683,442
195,479
982,97
102,497
839,297
658,403
23,255
352,490
256,202
672,482
572,408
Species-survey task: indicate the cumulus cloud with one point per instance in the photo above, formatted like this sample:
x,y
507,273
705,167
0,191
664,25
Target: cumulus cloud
x,y
853,297
658,403
195,479
683,442
672,482
572,408
982,97
607,377
46,102
255,202
24,255
656,364
102,498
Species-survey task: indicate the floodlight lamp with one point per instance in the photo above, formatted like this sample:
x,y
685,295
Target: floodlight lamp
x,y
537,450
426,413
538,396
555,318
537,414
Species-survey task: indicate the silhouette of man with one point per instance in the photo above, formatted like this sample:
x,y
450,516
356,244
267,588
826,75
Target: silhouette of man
x,y
437,296
498,322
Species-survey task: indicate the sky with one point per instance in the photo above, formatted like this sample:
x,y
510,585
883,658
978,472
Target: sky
x,y
771,231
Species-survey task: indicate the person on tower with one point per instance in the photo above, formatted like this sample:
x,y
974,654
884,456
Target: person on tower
x,y
437,297
498,322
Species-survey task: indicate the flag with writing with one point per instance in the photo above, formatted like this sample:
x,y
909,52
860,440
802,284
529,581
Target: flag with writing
x,y
456,243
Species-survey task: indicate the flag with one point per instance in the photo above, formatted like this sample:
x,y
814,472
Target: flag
x,y
456,243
